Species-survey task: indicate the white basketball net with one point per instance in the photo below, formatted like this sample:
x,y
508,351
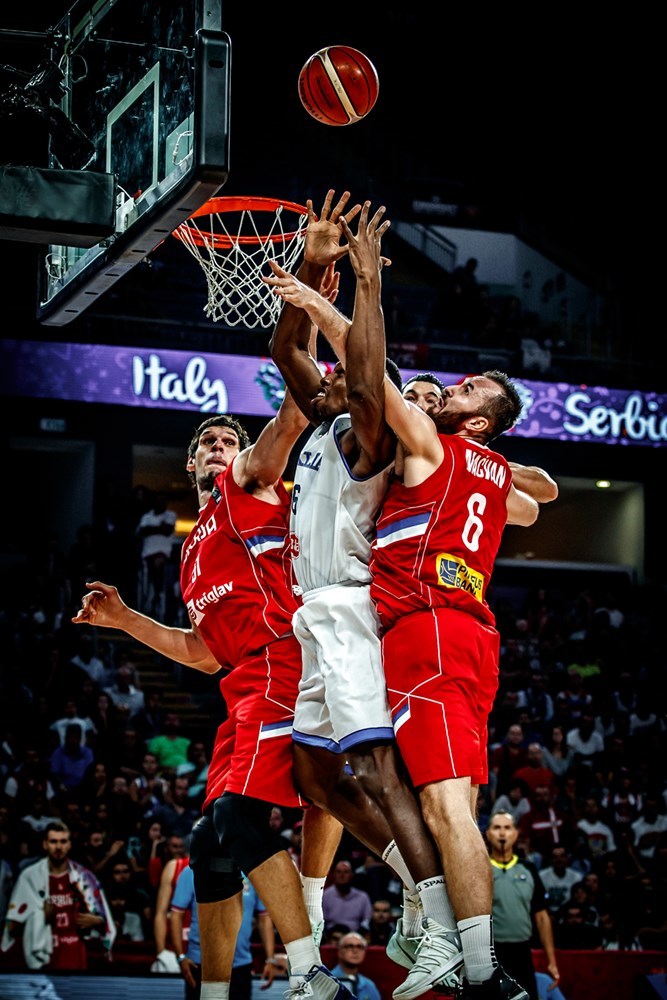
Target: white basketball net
x,y
233,255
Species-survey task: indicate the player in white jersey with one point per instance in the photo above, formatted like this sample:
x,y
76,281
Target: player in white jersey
x,y
342,715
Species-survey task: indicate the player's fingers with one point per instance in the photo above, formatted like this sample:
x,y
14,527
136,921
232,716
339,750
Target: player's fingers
x,y
326,207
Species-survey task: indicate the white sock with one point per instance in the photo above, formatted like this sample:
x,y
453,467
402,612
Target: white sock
x,y
313,890
413,914
393,857
435,901
214,991
479,957
302,955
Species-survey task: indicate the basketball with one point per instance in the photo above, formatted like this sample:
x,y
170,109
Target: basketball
x,y
338,85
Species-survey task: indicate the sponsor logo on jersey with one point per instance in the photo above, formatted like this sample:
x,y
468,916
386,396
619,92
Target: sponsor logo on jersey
x,y
485,467
197,605
453,572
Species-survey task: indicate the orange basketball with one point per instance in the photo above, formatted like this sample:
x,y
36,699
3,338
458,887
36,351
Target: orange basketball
x,y
338,85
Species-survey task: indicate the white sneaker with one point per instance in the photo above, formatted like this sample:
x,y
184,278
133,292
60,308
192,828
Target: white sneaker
x,y
438,962
402,949
319,984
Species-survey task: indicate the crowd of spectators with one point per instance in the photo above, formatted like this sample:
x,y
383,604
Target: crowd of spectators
x,y
576,751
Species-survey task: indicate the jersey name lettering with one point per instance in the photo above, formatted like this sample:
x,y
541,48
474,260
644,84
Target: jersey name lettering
x,y
484,467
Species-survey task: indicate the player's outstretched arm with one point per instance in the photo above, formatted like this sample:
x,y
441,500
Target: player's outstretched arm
x,y
534,481
104,607
366,350
522,509
289,344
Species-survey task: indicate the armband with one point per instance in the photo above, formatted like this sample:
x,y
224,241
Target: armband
x,y
181,957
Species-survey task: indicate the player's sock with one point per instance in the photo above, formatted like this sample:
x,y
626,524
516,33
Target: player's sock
x,y
479,956
435,901
302,955
214,991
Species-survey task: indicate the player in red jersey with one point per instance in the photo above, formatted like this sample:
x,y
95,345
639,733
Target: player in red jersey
x,y
56,904
437,538
235,583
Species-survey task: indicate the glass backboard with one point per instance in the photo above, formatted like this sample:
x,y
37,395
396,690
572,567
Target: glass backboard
x,y
148,83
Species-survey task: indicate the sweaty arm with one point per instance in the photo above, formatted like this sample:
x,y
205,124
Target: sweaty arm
x,y
365,350
103,606
522,509
534,481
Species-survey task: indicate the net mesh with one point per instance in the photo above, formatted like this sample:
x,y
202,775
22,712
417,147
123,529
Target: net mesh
x,y
233,250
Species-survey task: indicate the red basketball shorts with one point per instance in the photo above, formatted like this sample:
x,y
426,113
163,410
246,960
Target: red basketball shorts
x,y
252,754
441,668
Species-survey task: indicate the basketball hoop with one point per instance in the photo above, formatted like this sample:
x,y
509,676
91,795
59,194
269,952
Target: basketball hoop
x,y
225,238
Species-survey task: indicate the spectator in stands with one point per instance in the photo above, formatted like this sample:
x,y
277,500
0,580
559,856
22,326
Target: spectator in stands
x,y
124,813
170,748
177,814
545,825
621,802
156,532
71,717
557,755
534,773
87,661
68,763
586,744
572,932
151,719
179,859
106,719
30,775
148,789
129,903
342,903
597,835
32,825
574,699
381,926
515,801
558,879
380,881
128,699
351,955
648,828
614,936
196,771
507,757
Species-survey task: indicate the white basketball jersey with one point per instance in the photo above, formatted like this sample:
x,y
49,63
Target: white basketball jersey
x,y
333,513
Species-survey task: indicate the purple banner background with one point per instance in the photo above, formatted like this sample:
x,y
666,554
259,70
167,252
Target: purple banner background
x,y
238,384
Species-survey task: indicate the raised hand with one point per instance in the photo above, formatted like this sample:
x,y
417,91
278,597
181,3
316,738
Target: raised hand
x,y
364,248
323,234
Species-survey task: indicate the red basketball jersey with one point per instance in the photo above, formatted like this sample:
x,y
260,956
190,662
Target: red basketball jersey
x,y
436,543
236,556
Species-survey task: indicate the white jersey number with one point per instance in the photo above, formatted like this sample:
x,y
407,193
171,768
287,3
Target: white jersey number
x,y
473,527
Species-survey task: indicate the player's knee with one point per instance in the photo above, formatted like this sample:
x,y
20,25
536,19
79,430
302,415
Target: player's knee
x,y
242,825
216,875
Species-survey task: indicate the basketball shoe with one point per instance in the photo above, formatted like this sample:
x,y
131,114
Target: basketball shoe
x,y
437,964
402,949
319,984
499,987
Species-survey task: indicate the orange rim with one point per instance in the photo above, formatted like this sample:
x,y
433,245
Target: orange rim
x,y
240,203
